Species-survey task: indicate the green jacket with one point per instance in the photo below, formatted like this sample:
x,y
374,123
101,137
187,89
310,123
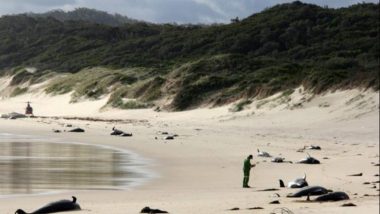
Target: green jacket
x,y
247,165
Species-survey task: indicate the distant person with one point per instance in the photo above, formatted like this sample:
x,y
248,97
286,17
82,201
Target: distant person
x,y
29,109
247,169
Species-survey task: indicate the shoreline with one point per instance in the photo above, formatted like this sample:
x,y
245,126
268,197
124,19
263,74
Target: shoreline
x,y
137,163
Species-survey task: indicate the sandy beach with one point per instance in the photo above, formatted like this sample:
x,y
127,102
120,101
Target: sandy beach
x,y
200,171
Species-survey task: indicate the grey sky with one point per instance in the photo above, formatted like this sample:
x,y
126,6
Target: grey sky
x,y
159,11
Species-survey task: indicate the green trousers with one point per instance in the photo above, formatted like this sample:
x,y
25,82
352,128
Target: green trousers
x,y
246,179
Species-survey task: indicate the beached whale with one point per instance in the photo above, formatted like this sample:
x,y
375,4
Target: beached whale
x,y
297,183
309,190
263,154
333,196
149,210
309,160
313,147
57,206
76,130
278,160
120,133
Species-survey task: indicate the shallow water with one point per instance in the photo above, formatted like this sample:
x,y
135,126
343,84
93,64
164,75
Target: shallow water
x,y
40,167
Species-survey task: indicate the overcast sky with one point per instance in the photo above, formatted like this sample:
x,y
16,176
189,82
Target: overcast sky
x,y
164,11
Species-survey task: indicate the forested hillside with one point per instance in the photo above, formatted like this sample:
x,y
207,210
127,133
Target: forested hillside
x,y
85,14
276,50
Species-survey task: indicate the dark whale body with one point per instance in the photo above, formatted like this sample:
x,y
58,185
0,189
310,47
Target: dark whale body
x,y
309,190
333,196
57,206
309,160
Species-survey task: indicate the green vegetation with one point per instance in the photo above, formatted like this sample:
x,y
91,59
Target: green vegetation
x,y
85,14
240,105
18,91
276,50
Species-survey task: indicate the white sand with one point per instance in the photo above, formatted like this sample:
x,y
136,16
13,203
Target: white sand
x,y
201,171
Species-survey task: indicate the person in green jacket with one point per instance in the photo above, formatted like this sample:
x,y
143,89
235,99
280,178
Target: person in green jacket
x,y
247,169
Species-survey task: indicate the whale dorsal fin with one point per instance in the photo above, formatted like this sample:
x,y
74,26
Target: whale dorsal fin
x,y
74,199
258,151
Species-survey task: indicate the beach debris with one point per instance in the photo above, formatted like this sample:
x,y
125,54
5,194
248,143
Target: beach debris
x,y
77,130
308,190
333,196
297,183
309,160
57,206
281,210
263,154
69,125
325,158
151,211
358,174
255,208
118,132
366,183
234,209
13,116
348,205
57,131
268,190
164,133
275,202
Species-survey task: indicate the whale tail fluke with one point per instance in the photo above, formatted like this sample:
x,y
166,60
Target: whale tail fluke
x,y
282,185
20,211
304,177
74,199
